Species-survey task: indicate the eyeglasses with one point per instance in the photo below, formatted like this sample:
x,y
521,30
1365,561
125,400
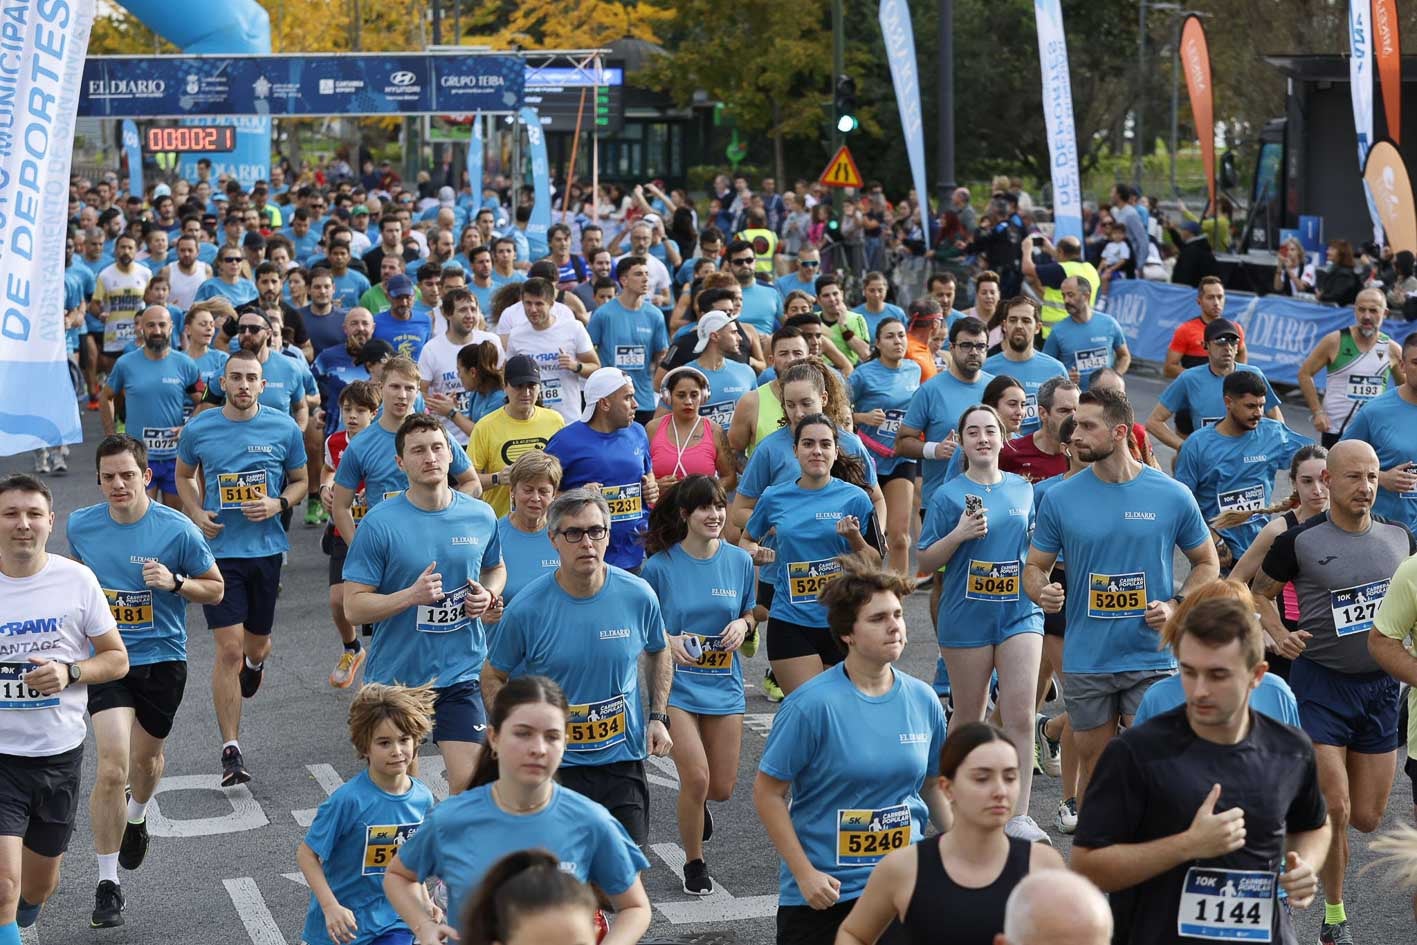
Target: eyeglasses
x,y
577,535
744,261
235,259
972,345
250,329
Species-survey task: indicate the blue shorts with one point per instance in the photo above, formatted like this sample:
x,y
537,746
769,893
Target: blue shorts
x,y
458,715
950,634
164,475
251,588
1357,711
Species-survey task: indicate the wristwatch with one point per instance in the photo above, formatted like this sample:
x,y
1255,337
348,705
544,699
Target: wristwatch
x,y
76,672
177,581
496,480
659,717
284,503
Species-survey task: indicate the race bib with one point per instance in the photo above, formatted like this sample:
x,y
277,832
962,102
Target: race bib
x,y
160,440
624,501
892,425
1227,905
132,610
720,413
992,581
596,725
805,579
1116,596
118,330
445,616
392,494
358,508
1090,359
14,694
1363,387
713,661
1354,607
864,837
381,842
238,487
1030,406
463,399
630,356
1248,499
550,391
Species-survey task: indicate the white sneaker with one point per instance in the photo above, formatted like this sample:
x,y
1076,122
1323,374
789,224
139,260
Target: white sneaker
x,y
1024,827
29,935
41,460
1047,752
1067,820
57,462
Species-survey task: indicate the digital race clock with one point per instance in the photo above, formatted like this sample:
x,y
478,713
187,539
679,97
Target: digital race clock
x,y
207,139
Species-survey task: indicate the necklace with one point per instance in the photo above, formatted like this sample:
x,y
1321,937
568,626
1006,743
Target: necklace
x,y
538,805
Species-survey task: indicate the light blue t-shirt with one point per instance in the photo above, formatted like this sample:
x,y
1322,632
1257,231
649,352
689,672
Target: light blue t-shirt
x,y
1119,539
356,833
243,460
210,367
876,387
1198,391
982,599
807,542
158,391
1235,473
527,557
1272,697
153,623
285,383
348,288
305,246
631,341
935,411
591,646
762,307
617,461
856,764
591,844
788,284
392,546
1389,424
727,385
701,598
1031,374
874,319
1086,346
408,336
371,459
238,293
483,296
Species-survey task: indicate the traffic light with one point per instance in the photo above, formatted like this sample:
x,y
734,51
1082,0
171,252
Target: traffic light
x,y
846,121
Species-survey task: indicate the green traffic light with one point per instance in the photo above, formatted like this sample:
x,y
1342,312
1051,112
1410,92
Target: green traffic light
x,y
847,124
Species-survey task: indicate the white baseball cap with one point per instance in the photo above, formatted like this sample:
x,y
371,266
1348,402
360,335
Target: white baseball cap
x,y
708,324
601,384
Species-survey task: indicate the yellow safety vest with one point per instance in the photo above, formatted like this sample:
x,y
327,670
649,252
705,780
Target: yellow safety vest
x,y
1053,310
764,247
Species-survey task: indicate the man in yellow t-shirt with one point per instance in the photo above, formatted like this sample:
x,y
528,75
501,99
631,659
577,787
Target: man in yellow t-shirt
x,y
502,436
1393,643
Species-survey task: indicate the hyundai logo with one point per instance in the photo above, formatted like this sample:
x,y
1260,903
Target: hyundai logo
x,y
403,78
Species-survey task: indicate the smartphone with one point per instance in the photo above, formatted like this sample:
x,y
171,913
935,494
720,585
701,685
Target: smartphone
x,y
973,504
693,647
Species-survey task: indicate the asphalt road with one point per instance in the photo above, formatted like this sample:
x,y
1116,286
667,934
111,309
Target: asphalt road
x,y
222,863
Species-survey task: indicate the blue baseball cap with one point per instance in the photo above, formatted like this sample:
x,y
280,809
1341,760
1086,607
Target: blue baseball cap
x,y
398,285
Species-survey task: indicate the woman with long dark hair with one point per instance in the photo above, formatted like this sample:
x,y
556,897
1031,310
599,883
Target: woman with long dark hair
x,y
527,899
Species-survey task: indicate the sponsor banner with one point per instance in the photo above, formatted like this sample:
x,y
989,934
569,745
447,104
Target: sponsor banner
x,y
1387,180
540,220
281,86
1360,86
248,162
1195,62
1387,47
133,151
38,405
474,161
900,53
1058,115
1279,331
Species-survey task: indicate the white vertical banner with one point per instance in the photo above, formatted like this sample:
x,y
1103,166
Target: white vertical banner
x,y
38,404
899,36
1360,85
1058,117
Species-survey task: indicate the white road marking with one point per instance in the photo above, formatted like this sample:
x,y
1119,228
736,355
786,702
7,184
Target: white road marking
x,y
721,906
254,914
669,779
759,723
328,779
297,878
245,813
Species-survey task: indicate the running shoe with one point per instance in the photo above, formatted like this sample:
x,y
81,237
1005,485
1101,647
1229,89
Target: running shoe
x,y
749,647
1333,934
250,680
1047,753
41,461
233,768
1067,820
771,690
708,823
1024,827
348,665
29,935
135,845
107,906
314,513
93,402
57,462
697,881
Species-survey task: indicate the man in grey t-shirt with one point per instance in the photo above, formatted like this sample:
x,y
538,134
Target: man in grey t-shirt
x,y
1341,564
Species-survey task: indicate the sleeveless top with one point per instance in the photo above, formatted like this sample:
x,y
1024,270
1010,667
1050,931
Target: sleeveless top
x,y
670,458
184,287
941,910
770,416
1354,377
1289,598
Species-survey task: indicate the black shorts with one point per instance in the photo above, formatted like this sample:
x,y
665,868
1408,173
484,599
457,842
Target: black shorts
x,y
643,417
153,691
1055,625
1329,440
39,798
251,588
766,591
789,640
1185,424
620,787
902,471
334,546
1411,768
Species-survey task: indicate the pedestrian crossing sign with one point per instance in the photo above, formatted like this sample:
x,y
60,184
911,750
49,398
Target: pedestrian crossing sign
x,y
841,171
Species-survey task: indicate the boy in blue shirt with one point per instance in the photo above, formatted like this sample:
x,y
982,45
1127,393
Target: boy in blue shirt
x,y
629,333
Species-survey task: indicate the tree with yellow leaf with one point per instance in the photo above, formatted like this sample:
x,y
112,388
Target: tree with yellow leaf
x,y
555,24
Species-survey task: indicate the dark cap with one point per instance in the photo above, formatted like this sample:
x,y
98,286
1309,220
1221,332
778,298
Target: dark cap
x,y
1191,227
521,370
398,285
1220,328
375,351
253,240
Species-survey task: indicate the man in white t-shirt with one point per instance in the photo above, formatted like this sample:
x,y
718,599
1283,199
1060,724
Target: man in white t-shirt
x,y
438,361
660,284
53,611
561,348
187,274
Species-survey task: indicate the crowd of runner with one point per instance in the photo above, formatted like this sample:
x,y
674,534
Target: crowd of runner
x,y
568,486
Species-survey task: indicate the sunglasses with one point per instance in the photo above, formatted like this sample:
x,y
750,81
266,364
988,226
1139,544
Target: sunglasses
x,y
250,329
235,259
744,261
808,264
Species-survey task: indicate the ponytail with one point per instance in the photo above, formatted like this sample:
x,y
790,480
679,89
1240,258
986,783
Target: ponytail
x,y
521,884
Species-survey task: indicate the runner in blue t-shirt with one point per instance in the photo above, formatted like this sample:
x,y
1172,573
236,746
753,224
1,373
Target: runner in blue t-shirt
x,y
590,626
881,390
705,589
251,464
717,346
514,805
283,384
1086,340
1019,359
526,547
423,568
1196,398
629,333
150,561
402,327
875,309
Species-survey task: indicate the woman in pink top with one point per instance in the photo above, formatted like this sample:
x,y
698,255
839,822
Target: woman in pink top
x,y
681,442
